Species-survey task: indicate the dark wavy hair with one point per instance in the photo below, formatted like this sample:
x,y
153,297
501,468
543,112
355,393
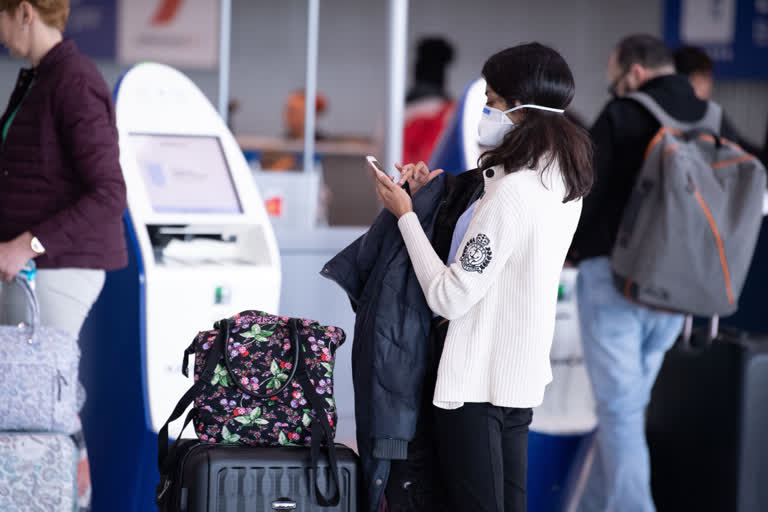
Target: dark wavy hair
x,y
536,74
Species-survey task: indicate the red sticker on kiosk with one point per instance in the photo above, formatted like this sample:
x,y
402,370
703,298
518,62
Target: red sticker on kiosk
x,y
274,206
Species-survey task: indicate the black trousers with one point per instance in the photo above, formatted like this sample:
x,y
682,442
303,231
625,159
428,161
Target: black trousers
x,y
417,484
483,453
474,458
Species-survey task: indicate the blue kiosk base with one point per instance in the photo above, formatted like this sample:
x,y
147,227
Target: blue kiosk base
x,y
554,462
121,449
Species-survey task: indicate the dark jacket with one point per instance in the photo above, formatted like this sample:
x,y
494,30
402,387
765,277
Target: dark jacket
x,y
60,175
765,148
390,348
621,134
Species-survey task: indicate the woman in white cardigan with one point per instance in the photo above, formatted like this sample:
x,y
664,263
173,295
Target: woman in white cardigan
x,y
499,286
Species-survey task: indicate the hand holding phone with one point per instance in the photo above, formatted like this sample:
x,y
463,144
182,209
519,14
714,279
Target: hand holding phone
x,y
391,194
375,166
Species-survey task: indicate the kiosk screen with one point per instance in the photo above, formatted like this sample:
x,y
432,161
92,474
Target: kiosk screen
x,y
185,174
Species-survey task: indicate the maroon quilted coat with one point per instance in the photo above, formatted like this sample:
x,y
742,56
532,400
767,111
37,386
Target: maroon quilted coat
x,y
60,175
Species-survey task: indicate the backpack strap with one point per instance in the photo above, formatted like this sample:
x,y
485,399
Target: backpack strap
x,y
321,427
710,123
215,354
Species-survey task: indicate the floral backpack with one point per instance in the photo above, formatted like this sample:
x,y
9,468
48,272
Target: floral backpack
x,y
262,380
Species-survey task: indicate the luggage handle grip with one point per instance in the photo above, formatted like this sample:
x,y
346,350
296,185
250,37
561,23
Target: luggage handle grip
x,y
33,306
284,504
686,338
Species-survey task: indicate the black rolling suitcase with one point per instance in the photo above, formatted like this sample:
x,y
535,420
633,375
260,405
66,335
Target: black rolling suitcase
x,y
230,478
707,425
224,473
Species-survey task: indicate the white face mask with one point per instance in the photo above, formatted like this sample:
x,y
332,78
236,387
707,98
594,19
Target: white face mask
x,y
495,124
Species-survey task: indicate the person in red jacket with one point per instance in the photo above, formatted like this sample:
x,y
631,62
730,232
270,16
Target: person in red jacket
x,y
62,194
428,108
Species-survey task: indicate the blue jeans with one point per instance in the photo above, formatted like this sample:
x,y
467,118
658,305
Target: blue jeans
x,y
624,346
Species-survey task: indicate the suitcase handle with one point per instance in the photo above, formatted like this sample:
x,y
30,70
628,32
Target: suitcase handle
x,y
284,504
686,337
33,306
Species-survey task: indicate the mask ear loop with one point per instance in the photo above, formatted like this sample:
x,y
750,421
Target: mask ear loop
x,y
536,107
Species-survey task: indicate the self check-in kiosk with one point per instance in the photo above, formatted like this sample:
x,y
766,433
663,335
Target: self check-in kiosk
x,y
201,248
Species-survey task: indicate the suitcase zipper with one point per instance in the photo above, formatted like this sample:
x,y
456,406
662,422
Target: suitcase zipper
x,y
59,378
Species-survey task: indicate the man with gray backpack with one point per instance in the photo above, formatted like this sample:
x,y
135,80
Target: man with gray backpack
x,y
668,230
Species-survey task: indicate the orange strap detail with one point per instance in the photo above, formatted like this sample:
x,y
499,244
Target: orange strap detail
x,y
739,159
720,247
723,140
706,137
657,138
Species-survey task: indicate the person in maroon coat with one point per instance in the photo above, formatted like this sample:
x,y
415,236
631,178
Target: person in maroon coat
x,y
62,194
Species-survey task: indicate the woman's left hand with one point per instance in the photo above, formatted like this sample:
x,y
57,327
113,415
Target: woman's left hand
x,y
14,255
391,195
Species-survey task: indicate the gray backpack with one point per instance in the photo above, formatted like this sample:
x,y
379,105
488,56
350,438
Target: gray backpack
x,y
687,235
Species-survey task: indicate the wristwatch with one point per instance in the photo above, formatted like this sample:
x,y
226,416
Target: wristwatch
x,y
37,246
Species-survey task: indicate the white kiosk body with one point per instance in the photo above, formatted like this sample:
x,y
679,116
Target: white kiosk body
x,y
205,241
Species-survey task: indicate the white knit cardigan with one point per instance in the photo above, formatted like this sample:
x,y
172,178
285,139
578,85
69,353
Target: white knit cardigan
x,y
501,293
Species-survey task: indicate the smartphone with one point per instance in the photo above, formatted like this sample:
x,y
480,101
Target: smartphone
x,y
375,164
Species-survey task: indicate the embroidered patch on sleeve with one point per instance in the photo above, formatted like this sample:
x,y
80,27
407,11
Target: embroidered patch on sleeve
x,y
477,254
